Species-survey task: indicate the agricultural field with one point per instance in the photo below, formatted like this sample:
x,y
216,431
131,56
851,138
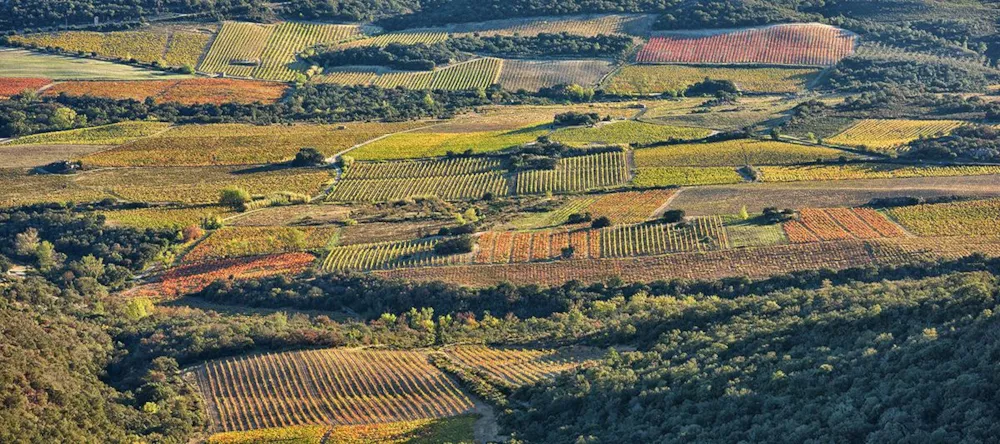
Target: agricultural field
x,y
21,63
476,73
240,144
113,134
502,247
29,156
187,92
403,38
626,133
557,216
10,86
268,51
868,171
436,144
972,218
817,224
685,176
585,25
743,234
320,387
19,187
189,278
532,75
703,234
232,242
747,111
169,217
791,44
456,429
196,185
386,255
171,47
309,215
424,168
656,79
518,366
889,136
572,174
629,207
735,153
453,187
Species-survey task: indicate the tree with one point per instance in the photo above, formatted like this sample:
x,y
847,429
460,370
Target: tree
x,y
26,243
673,216
308,157
45,256
744,215
235,198
601,222
88,266
63,118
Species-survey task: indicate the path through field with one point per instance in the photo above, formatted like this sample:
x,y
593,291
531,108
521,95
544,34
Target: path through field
x,y
486,429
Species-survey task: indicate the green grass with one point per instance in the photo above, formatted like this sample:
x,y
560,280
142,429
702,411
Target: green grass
x,y
20,63
557,216
417,145
750,234
626,132
680,176
114,134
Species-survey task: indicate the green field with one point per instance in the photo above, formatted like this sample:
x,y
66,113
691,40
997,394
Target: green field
x,y
735,153
428,144
20,63
679,176
626,132
114,134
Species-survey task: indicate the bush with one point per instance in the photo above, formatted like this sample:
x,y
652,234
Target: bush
x,y
709,87
235,198
572,118
457,245
578,218
309,157
601,222
774,216
673,216
192,232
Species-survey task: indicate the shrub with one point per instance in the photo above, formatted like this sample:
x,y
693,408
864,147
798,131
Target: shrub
x,y
457,245
308,157
673,216
578,218
601,222
234,197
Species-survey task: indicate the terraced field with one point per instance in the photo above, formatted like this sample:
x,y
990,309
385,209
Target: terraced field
x,y
268,51
240,144
656,79
532,75
793,44
332,386
890,135
735,153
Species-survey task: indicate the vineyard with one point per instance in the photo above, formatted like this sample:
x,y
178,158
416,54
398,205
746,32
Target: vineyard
x,y
22,63
190,278
10,86
703,234
558,216
113,134
403,38
656,79
385,255
684,176
476,73
455,429
582,25
188,92
793,44
629,207
268,51
518,366
155,217
427,168
195,185
816,224
531,75
951,219
626,132
889,135
579,173
435,144
230,242
735,153
502,247
868,171
173,48
239,144
456,187
321,387
751,234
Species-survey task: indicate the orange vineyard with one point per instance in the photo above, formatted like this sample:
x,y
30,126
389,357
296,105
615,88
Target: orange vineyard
x,y
188,92
840,223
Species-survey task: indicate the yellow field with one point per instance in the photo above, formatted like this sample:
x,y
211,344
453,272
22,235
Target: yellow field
x,y
975,218
113,134
632,24
17,187
197,184
517,366
734,153
456,430
579,173
867,171
405,38
240,144
268,51
655,79
625,133
163,217
174,48
680,176
889,135
331,386
424,144
232,242
531,75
